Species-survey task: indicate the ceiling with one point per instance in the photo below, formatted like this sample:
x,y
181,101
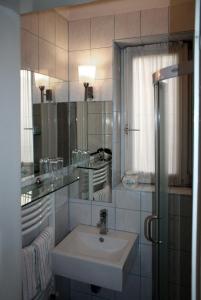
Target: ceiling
x,y
26,6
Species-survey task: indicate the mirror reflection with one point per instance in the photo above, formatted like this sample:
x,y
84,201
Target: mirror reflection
x,y
58,136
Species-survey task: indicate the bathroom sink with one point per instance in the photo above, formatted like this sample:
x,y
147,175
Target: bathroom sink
x,y
102,260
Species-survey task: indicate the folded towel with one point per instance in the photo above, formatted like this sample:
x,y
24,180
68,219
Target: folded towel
x,y
43,243
29,284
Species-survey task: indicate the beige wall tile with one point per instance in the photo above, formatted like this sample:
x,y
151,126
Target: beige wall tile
x,y
154,21
182,17
47,26
61,32
79,35
76,91
29,51
102,31
30,22
102,58
61,64
47,58
103,90
77,58
127,25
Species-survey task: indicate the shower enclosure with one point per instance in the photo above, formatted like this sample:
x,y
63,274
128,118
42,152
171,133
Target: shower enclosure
x,y
169,228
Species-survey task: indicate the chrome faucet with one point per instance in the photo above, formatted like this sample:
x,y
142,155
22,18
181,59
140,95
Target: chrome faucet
x,y
102,224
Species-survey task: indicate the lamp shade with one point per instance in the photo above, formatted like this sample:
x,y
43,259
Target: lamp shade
x,y
86,73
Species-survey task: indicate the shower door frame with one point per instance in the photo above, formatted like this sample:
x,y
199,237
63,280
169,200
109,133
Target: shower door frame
x,y
159,76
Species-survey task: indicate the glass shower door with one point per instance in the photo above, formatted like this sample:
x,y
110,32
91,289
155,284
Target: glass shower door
x,y
167,227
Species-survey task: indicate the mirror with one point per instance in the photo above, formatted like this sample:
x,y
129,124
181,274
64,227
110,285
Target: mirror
x,y
77,132
91,149
44,121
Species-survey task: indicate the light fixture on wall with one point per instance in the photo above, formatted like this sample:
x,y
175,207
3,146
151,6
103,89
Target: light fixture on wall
x,y
87,74
41,82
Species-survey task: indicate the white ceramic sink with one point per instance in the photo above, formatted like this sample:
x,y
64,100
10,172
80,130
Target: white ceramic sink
x,y
102,260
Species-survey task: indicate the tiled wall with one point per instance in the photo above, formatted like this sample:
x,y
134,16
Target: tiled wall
x,y
45,44
99,125
91,41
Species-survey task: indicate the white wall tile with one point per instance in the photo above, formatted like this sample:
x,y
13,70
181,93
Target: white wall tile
x,y
77,58
61,197
102,31
61,92
95,124
61,223
146,260
154,21
131,290
79,214
127,199
74,190
29,51
47,58
128,220
102,59
61,64
127,25
30,22
95,141
182,17
79,35
108,141
47,25
108,123
76,91
103,90
146,201
96,215
61,32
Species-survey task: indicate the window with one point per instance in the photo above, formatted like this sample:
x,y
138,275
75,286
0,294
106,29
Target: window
x,y
140,64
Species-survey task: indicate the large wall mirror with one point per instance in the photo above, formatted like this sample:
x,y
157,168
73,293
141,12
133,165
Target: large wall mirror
x,y
78,133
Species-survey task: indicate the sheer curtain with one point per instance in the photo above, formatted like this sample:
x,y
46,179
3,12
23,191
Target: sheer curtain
x,y
139,111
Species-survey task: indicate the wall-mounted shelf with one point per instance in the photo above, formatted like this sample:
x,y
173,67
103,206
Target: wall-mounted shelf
x,y
34,192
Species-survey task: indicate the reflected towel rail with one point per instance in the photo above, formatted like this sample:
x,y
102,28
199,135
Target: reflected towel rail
x,y
36,214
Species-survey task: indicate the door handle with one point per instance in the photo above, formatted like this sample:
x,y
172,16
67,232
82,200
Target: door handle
x,y
148,228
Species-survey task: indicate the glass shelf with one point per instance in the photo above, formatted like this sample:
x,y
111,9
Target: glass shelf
x,y
35,191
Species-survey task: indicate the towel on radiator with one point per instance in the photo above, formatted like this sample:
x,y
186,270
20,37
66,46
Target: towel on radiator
x,y
43,243
29,284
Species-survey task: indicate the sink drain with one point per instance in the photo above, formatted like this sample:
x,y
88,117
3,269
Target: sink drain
x,y
101,239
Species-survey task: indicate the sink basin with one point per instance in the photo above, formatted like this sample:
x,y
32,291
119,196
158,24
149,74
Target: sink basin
x,y
102,260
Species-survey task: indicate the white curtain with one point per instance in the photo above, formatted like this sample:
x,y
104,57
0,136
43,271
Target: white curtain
x,y
140,145
26,118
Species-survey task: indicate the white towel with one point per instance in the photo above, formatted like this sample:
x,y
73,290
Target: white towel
x,y
43,243
29,284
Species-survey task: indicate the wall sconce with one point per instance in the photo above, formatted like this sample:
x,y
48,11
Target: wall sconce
x,y
87,74
41,82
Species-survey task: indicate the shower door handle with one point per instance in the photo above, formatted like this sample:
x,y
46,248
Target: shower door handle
x,y
148,228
